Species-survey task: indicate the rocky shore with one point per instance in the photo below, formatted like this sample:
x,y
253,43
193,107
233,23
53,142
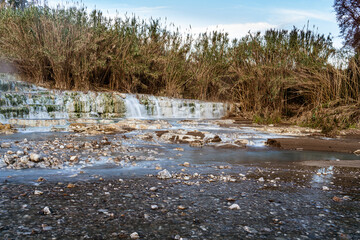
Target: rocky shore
x,y
225,202
198,179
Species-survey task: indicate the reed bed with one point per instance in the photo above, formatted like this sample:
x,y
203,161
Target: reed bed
x,y
274,76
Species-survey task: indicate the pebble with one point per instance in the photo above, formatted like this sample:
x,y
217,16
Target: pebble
x,y
261,179
34,157
325,188
250,230
357,152
74,158
181,207
234,207
164,174
46,211
154,207
134,235
37,192
186,164
5,145
153,189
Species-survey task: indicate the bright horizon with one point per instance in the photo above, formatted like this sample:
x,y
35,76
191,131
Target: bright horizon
x,y
235,17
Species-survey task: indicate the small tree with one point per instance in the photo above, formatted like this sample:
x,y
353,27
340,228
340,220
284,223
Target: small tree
x,y
348,16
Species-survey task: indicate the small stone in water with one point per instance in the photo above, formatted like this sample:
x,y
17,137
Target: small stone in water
x,y
186,164
261,179
325,188
154,207
40,179
70,185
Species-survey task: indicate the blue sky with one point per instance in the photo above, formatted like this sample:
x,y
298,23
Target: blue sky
x,y
235,17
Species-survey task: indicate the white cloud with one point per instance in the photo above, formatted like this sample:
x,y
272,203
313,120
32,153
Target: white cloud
x,y
236,30
291,15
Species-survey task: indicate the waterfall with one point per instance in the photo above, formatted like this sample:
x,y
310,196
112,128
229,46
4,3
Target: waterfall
x,y
157,112
133,107
21,100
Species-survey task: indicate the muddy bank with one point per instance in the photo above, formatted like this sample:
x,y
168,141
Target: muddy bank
x,y
313,144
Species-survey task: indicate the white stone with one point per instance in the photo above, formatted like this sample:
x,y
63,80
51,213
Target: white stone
x,y
19,153
325,188
154,207
5,145
46,211
234,207
24,159
164,174
153,189
37,192
186,164
134,235
357,152
74,158
35,157
261,179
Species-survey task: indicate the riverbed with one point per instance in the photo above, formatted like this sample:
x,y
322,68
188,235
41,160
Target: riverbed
x,y
221,181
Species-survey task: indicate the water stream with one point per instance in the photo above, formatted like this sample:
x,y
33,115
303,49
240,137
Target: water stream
x,y
39,109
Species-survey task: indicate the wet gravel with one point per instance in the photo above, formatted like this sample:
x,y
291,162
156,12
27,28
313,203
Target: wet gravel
x,y
274,203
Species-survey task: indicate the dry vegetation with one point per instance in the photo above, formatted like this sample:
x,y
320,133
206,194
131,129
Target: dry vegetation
x,y
276,75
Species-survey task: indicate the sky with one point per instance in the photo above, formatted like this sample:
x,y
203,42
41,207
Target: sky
x,y
235,17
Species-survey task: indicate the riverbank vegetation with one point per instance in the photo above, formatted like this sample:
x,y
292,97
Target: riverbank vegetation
x,y
295,75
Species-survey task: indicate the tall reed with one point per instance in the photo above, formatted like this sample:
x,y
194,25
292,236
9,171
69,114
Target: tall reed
x,y
272,75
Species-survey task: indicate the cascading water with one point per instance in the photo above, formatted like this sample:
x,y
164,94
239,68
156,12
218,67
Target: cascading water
x,y
20,100
133,107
